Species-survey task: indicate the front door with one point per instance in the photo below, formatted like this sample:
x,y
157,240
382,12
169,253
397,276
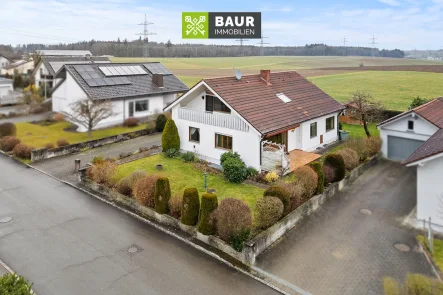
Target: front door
x,y
131,109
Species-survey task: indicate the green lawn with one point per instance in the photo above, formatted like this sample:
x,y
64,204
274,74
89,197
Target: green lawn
x,y
395,90
183,175
189,80
357,131
438,251
37,136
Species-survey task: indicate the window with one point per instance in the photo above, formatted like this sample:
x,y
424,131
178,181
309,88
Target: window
x,y
330,123
194,134
223,141
410,125
313,129
141,106
215,104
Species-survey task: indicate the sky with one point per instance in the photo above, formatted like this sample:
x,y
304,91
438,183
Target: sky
x,y
403,24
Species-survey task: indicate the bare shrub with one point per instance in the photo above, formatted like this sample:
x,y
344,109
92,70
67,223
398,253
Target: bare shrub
x,y
373,144
7,129
358,145
144,190
175,205
22,151
104,172
269,211
130,122
58,117
307,178
62,142
123,186
329,173
134,177
49,146
8,143
350,157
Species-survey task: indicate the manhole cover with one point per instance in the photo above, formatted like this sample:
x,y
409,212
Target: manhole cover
x,y
366,211
402,247
5,219
134,249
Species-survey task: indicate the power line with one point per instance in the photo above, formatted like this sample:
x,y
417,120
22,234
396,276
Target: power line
x,y
145,34
262,42
373,44
344,44
241,40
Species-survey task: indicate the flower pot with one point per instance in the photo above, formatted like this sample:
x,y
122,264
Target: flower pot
x,y
159,166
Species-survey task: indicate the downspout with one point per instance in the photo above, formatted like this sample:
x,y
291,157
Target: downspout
x,y
124,110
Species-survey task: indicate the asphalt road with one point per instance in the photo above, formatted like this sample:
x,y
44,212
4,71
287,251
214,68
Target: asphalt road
x,y
67,242
341,250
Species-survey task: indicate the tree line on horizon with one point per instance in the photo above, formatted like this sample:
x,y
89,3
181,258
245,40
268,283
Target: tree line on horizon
x,y
134,48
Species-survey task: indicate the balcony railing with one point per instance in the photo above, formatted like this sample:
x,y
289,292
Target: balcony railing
x,y
214,119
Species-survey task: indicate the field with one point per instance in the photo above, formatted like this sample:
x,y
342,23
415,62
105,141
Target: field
x,y
395,90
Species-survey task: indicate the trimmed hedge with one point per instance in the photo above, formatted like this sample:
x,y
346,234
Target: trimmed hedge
x,y
350,157
22,151
282,194
130,122
143,190
8,143
162,194
190,207
124,187
317,167
160,123
7,129
206,222
337,163
308,179
269,211
170,137
62,142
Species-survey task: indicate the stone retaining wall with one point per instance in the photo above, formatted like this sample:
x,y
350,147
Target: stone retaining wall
x,y
43,154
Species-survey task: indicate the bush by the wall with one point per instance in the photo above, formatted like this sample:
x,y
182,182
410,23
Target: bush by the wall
x,y
373,144
58,117
317,167
13,284
22,151
190,207
123,186
206,221
188,157
229,155
160,123
62,142
134,177
268,211
296,193
8,143
234,170
162,194
171,153
234,222
7,129
336,162
144,189
49,146
358,145
170,137
281,193
150,127
175,205
308,179
329,173
271,177
130,122
251,172
350,157
104,173
97,160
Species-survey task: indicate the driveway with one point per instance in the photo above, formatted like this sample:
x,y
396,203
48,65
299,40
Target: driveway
x,y
63,167
66,242
340,250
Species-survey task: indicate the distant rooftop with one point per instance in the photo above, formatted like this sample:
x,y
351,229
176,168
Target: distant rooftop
x,y
64,52
54,63
5,81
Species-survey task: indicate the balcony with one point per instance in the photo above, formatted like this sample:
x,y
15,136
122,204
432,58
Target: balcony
x,y
214,119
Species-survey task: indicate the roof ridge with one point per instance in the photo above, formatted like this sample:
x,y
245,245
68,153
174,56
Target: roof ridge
x,y
258,74
428,103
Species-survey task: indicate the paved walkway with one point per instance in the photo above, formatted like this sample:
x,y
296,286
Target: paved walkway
x,y
66,242
63,167
339,250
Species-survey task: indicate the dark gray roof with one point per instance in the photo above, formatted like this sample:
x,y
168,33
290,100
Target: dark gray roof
x,y
55,63
433,146
140,84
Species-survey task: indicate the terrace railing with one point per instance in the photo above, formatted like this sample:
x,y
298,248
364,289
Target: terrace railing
x,y
214,119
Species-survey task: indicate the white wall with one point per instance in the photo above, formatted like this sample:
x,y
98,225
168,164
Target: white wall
x,y
3,62
5,89
399,128
430,191
309,144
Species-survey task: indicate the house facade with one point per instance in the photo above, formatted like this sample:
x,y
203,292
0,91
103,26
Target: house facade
x,y
4,61
134,90
21,67
416,137
262,117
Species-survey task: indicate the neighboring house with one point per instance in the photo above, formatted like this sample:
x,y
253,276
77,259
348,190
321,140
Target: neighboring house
x,y
266,118
135,89
21,67
4,61
66,53
416,137
48,66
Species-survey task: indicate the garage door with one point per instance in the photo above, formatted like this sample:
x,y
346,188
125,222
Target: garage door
x,y
400,148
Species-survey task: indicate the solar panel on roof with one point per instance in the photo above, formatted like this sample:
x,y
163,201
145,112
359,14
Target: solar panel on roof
x,y
89,68
100,82
109,81
85,75
105,71
157,68
91,82
94,75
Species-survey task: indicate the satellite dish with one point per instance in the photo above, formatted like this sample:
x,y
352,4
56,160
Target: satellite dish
x,y
238,75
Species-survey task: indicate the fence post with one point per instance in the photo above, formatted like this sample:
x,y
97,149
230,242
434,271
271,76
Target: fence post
x,y
77,165
430,237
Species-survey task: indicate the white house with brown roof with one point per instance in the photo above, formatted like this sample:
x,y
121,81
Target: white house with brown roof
x,y
416,138
271,120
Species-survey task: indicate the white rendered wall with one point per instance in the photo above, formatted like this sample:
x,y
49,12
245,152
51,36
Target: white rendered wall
x,y
310,144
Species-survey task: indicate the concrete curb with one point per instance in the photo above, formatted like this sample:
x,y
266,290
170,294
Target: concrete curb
x,y
429,259
188,242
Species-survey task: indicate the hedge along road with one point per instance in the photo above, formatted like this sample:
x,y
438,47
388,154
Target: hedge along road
x,y
66,242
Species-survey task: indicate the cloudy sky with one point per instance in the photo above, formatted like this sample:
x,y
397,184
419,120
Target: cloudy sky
x,y
404,24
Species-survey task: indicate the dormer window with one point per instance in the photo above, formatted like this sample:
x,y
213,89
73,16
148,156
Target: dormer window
x,y
410,125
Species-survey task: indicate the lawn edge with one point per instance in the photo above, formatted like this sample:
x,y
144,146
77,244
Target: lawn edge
x,y
429,258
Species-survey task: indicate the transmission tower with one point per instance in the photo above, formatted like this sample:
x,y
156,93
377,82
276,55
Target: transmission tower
x,y
145,35
241,40
344,44
262,42
373,43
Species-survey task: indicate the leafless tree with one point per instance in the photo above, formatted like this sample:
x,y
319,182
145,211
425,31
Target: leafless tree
x,y
89,113
364,109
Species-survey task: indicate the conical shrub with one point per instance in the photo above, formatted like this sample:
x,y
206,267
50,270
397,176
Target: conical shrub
x,y
170,137
162,195
190,207
206,222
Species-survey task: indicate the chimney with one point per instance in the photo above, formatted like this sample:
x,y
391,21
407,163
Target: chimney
x,y
265,75
158,80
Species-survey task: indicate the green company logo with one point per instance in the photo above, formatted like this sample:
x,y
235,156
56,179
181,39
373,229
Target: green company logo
x,y
195,25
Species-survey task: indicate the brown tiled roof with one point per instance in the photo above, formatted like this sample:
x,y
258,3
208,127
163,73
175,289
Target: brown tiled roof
x,y
431,111
431,147
258,104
